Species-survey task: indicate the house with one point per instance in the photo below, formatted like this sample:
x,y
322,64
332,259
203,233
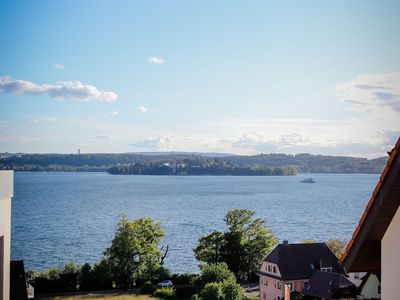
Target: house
x,y
375,244
329,285
370,287
293,265
18,288
356,277
6,193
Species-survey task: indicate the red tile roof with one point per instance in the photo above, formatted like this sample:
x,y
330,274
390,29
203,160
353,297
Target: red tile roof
x,y
375,193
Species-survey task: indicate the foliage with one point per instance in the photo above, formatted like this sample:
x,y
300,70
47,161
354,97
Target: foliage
x,y
277,163
134,250
106,296
310,241
213,273
199,166
55,280
185,278
210,248
167,293
185,291
232,291
242,247
337,246
148,288
212,291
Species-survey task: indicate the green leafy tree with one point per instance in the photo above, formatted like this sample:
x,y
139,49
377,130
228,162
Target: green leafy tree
x,y
210,248
134,250
242,247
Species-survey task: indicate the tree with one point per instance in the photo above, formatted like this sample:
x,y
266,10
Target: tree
x,y
210,248
337,246
242,247
134,250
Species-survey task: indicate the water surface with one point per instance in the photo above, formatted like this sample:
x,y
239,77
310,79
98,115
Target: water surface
x,y
59,217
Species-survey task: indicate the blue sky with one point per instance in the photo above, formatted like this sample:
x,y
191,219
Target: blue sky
x,y
213,76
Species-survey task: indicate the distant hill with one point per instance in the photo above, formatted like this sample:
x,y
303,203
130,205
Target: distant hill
x,y
308,163
304,163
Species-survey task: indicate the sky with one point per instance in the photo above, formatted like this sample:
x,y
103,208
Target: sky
x,y
239,77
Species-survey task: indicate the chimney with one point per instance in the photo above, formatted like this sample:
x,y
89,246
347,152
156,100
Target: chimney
x,y
285,242
287,292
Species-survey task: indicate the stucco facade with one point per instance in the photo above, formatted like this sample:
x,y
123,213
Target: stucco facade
x,y
390,259
6,193
271,287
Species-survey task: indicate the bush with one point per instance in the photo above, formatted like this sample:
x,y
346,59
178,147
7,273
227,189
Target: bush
x,y
212,291
167,293
213,273
186,278
185,292
232,291
148,288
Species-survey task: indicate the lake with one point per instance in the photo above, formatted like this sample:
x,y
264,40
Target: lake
x,y
60,217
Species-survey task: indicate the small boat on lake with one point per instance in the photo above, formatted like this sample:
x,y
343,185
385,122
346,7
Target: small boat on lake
x,y
308,180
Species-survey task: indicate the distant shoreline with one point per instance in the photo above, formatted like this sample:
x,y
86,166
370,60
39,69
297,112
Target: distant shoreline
x,y
303,163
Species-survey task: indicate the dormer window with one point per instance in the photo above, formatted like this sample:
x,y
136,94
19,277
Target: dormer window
x,y
274,270
269,268
326,269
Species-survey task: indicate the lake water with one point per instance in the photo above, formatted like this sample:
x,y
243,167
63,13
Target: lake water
x,y
59,217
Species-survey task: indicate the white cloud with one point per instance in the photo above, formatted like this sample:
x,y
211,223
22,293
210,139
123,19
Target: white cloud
x,y
86,145
159,143
60,91
156,60
114,113
105,137
142,109
59,66
369,92
43,119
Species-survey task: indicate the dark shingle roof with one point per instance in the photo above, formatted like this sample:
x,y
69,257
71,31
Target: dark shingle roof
x,y
329,285
300,261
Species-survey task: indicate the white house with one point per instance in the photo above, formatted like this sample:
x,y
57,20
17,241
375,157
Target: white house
x,y
375,245
6,193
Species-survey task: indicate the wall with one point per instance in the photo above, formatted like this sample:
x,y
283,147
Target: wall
x,y
390,260
6,193
370,289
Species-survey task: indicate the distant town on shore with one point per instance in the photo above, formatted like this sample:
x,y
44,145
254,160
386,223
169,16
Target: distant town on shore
x,y
181,163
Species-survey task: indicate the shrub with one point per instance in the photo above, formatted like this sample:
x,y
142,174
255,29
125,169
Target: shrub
x,y
213,273
212,291
167,293
232,291
185,292
148,288
186,278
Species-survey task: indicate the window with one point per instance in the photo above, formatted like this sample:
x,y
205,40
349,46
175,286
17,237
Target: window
x,y
326,269
264,295
266,281
269,268
274,270
291,286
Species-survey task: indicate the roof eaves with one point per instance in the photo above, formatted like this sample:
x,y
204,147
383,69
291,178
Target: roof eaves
x,y
372,200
